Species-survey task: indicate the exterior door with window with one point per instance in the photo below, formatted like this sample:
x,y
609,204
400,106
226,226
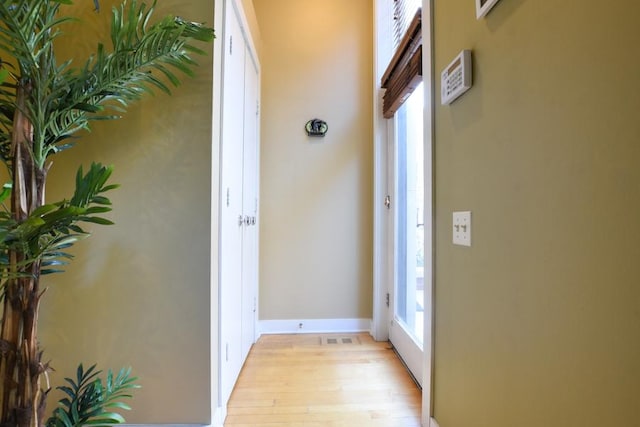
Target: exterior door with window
x,y
406,331
403,106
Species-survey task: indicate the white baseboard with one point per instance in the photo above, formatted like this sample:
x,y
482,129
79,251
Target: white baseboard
x,y
433,423
219,416
307,326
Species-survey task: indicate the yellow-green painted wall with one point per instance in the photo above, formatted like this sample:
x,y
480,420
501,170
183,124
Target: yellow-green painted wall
x,y
316,194
137,293
538,323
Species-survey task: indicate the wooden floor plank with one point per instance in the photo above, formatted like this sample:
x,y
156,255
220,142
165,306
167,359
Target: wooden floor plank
x,y
310,380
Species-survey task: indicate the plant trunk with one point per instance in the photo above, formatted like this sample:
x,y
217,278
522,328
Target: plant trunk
x,y
22,400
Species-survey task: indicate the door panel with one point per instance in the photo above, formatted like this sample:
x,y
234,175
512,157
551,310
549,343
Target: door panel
x,y
231,207
406,332
239,201
250,207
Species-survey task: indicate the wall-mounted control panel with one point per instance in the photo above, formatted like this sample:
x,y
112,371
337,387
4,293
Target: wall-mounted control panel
x,y
456,77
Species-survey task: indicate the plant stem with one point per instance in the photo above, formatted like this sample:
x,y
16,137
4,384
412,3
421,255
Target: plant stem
x,y
22,401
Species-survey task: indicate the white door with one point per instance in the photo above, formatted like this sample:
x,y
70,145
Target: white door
x,y
408,219
231,215
250,206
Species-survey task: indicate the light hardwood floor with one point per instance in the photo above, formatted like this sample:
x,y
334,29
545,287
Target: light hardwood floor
x,y
305,381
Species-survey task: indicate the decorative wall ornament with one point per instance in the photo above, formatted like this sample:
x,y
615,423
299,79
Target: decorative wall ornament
x,y
316,127
483,7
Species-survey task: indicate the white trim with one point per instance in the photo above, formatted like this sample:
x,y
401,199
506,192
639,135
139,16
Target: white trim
x,y
429,223
214,346
219,417
382,52
433,422
293,326
246,32
408,348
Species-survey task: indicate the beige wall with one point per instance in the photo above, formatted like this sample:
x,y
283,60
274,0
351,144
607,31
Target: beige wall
x,y
316,194
537,324
138,292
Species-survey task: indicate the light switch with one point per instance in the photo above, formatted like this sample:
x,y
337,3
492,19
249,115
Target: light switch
x,y
462,228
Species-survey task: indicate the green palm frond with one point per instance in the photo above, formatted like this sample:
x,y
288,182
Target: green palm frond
x,y
52,228
109,81
28,30
63,100
27,35
90,401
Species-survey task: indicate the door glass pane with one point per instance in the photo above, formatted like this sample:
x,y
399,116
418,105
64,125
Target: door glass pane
x,y
409,297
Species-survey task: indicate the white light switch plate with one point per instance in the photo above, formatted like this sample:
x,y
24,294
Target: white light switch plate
x,y
462,228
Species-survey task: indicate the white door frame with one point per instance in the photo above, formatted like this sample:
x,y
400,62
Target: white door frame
x,y
381,275
428,78
383,271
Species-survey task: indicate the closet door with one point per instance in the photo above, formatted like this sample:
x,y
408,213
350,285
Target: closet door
x,y
250,205
239,201
231,213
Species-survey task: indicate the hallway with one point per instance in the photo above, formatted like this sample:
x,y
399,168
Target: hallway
x,y
311,380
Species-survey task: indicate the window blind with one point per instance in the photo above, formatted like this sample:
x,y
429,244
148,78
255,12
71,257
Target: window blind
x,y
404,72
403,11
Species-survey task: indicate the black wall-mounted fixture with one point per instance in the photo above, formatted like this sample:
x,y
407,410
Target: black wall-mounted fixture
x,y
316,127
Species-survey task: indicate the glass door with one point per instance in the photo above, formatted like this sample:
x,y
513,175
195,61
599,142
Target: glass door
x,y
406,332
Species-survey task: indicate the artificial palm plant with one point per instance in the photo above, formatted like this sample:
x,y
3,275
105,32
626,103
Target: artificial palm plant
x,y
44,107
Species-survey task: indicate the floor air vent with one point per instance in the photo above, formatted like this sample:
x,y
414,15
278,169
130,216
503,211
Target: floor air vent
x,y
340,340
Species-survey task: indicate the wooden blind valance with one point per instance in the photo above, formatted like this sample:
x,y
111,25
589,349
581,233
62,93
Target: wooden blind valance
x,y
404,72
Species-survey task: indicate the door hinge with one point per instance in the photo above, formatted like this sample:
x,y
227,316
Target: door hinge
x,y
387,201
387,301
230,45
